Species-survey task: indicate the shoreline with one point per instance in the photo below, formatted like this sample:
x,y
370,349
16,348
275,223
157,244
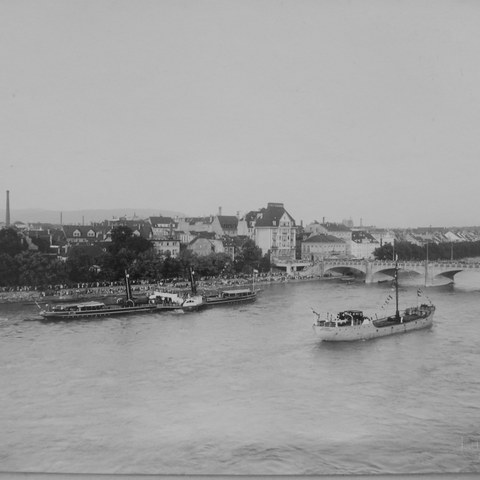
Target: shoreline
x,y
84,294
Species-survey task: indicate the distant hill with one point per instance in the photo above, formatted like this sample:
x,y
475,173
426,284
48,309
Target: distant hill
x,y
75,217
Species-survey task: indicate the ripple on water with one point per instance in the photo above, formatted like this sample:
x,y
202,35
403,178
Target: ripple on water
x,y
243,390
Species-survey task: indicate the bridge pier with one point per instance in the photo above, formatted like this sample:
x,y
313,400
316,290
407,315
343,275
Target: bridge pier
x,y
428,275
322,267
368,272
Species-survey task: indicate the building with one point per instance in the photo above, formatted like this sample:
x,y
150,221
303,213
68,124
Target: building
x,y
167,246
335,229
225,225
383,236
321,246
162,227
362,245
203,246
84,234
275,232
197,224
246,225
314,228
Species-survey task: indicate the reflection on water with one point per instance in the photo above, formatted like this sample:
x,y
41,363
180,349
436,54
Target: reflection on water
x,y
243,390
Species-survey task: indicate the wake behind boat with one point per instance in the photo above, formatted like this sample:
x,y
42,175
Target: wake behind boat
x,y
350,325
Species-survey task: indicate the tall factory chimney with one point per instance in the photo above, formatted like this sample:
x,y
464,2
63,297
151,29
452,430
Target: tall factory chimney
x,y
7,211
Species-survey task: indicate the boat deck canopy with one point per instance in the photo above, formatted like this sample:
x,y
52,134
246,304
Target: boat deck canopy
x,y
78,306
237,292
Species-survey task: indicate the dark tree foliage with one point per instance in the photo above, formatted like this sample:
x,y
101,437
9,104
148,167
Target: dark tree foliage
x,y
126,252
42,243
436,251
265,265
248,258
212,265
81,262
114,264
123,237
148,266
39,270
11,242
171,268
120,236
8,270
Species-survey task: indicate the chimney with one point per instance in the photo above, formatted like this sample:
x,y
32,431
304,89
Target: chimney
x,y
7,212
219,211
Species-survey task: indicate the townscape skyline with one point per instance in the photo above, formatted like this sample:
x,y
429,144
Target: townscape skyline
x,y
339,109
87,217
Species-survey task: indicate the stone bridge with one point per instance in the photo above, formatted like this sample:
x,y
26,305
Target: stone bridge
x,y
370,269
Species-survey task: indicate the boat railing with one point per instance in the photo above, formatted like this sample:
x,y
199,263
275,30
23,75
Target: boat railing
x,y
326,319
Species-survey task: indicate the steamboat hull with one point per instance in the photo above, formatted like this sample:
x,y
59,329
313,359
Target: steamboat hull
x,y
108,312
370,330
229,301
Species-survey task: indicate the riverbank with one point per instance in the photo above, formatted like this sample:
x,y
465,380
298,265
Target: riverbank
x,y
80,294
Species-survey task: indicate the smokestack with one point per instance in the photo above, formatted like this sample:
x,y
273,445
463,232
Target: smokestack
x,y
61,218
219,211
7,212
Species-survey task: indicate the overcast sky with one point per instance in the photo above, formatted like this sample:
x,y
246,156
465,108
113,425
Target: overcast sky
x,y
338,109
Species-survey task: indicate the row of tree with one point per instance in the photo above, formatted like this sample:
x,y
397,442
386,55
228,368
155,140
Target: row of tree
x,y
435,251
20,266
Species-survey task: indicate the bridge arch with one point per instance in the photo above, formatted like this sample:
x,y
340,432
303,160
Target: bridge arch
x,y
345,270
371,268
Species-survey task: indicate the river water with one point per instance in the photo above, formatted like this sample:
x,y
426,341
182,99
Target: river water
x,y
245,389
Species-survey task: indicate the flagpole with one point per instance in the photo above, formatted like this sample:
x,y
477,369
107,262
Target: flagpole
x,y
397,313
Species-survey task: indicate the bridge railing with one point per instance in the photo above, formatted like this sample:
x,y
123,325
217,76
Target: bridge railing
x,y
413,263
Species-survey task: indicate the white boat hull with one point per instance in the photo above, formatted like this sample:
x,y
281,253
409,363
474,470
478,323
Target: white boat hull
x,y
369,331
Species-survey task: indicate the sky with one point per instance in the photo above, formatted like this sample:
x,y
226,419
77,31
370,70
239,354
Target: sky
x,y
361,109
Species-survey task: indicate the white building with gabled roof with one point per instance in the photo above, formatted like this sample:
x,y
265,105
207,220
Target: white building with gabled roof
x,y
275,231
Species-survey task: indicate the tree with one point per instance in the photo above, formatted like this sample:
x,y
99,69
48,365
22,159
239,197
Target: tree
x,y
39,270
212,265
80,263
42,243
120,236
265,265
248,258
147,265
8,270
11,242
125,253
